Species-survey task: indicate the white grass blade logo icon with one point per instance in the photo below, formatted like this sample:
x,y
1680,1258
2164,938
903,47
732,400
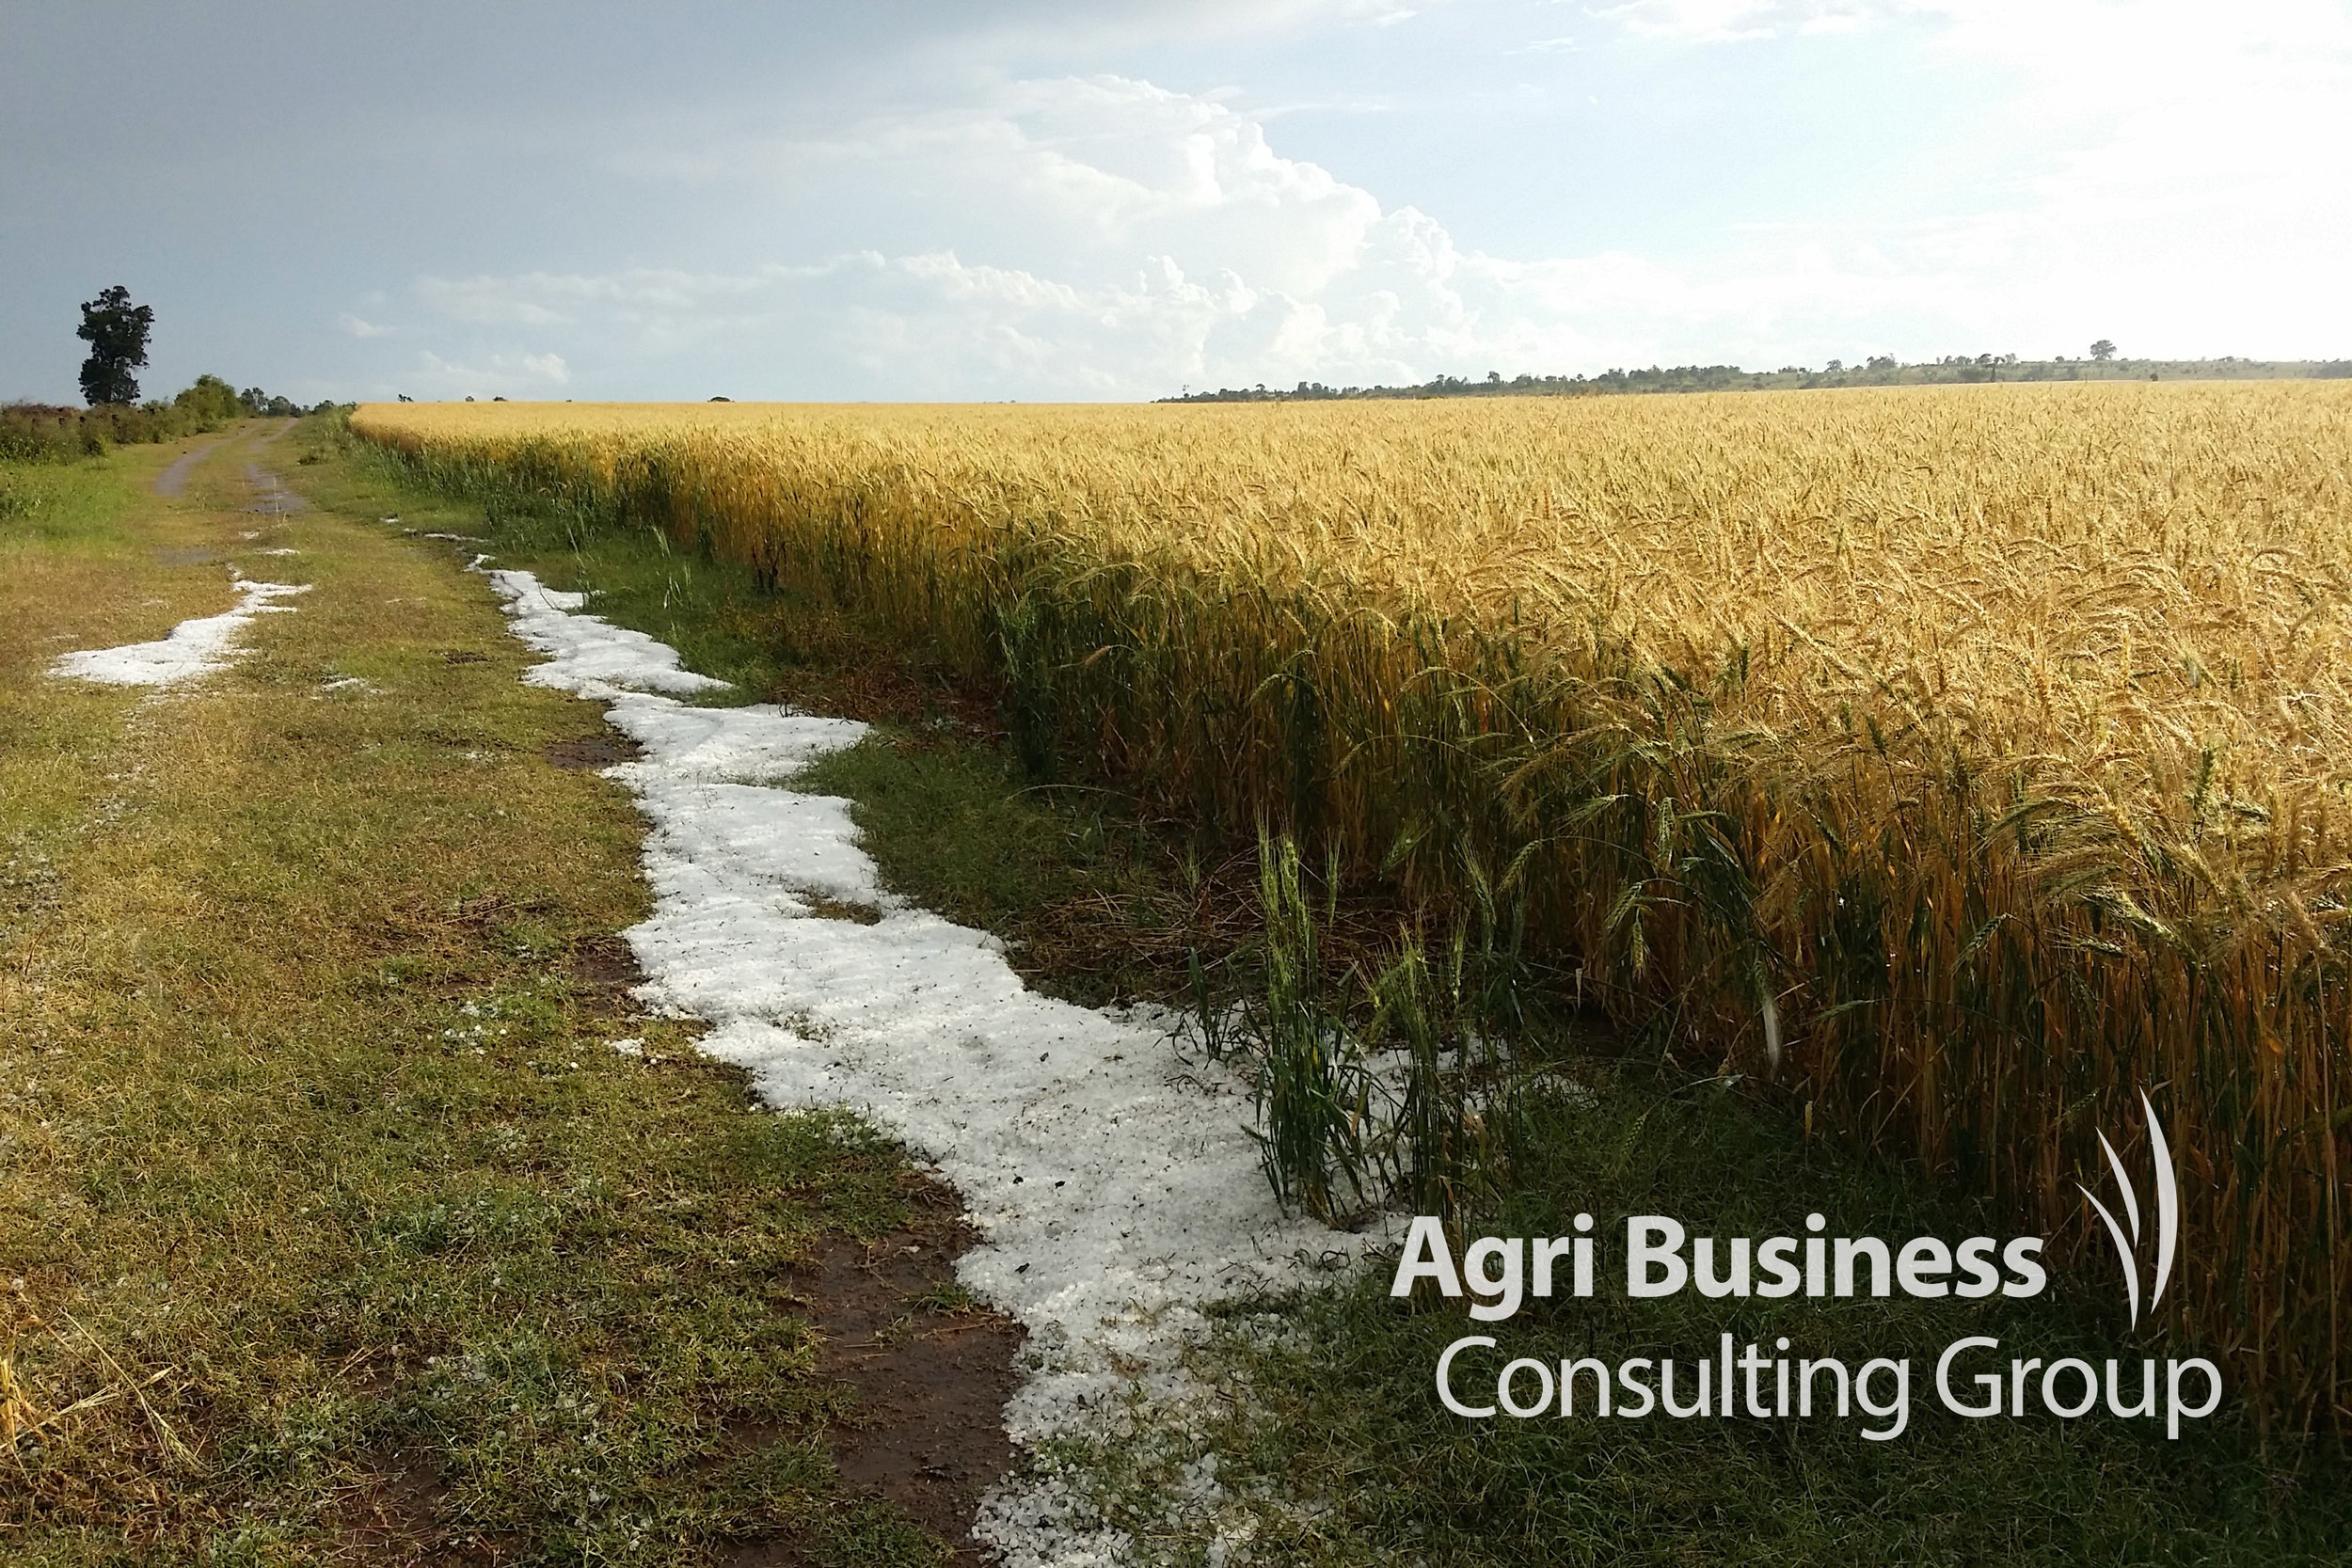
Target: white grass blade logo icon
x,y
2168,1214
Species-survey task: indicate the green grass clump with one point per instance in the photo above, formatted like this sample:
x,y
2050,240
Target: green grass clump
x,y
47,506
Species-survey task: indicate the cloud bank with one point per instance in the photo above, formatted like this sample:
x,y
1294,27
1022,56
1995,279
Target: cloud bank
x,y
2160,175
1138,239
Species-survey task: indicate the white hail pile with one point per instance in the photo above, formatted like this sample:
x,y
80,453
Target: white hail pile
x,y
1111,1178
193,648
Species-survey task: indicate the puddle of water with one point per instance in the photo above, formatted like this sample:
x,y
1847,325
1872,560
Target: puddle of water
x,y
271,496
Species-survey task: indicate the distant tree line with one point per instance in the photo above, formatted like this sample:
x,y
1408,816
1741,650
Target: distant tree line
x,y
118,349
117,331
1883,369
47,432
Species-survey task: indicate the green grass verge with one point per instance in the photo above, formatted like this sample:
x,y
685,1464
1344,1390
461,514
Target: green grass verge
x,y
53,506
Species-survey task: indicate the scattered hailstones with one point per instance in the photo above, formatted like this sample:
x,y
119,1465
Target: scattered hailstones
x,y
194,647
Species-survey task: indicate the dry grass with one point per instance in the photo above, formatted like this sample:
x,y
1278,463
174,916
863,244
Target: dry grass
x,y
1989,740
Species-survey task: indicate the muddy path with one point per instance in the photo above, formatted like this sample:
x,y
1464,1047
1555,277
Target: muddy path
x,y
927,1430
173,482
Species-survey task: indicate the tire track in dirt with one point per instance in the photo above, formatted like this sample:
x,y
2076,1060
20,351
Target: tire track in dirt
x,y
173,480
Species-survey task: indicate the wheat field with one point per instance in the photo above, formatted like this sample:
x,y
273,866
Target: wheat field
x,y
1965,759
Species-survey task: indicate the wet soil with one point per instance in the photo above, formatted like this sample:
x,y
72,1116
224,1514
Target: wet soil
x,y
605,965
270,495
174,479
585,752
389,1518
933,1373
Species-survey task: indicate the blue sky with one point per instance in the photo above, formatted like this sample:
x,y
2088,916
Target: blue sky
x,y
1017,198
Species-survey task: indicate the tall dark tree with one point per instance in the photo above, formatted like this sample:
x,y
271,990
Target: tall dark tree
x,y
116,331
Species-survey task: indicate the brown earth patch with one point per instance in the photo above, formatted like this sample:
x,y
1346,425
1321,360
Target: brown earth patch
x,y
846,668
587,751
931,1368
835,909
606,964
389,1515
883,690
